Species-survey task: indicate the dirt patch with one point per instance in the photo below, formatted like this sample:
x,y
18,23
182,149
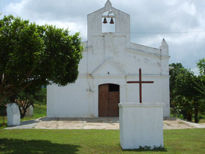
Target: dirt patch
x,y
106,123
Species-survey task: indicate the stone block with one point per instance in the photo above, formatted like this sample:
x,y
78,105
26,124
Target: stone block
x,y
29,111
13,115
141,125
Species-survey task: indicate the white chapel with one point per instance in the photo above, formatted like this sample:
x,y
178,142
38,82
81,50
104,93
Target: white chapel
x,y
109,61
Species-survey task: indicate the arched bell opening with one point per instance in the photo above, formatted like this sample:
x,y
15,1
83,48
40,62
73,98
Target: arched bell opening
x,y
108,22
108,100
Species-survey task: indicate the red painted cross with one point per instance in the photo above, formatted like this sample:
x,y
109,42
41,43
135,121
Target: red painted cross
x,y
140,84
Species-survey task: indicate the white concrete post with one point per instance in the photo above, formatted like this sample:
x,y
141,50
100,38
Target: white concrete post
x,y
141,125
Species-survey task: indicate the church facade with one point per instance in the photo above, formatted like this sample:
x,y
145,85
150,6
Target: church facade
x,y
109,61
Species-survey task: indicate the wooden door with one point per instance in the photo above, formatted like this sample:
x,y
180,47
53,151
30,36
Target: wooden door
x,y
113,110
103,100
109,97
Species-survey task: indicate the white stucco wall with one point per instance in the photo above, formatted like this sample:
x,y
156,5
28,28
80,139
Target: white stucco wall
x,y
112,58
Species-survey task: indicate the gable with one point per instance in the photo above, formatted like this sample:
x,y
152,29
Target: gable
x,y
109,67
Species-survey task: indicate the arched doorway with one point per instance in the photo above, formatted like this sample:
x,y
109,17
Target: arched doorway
x,y
108,99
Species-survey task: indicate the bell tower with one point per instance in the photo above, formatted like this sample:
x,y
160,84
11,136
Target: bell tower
x,y
108,17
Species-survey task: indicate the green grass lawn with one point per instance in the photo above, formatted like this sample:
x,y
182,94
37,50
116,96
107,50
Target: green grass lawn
x,y
202,119
93,141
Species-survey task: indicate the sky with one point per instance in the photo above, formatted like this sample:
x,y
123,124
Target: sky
x,y
180,22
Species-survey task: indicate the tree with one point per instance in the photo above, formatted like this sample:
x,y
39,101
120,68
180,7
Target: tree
x,y
175,69
201,66
180,81
185,96
33,55
201,84
182,106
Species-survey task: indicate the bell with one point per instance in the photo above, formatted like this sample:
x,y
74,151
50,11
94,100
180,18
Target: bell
x,y
105,21
111,21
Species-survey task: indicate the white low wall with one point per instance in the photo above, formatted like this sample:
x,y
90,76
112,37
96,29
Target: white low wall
x,y
141,125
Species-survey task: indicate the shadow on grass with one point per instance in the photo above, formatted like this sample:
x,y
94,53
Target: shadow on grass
x,y
35,146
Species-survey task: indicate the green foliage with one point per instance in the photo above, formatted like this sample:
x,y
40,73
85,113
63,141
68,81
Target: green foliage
x,y
2,110
186,91
174,71
32,56
182,106
201,66
189,141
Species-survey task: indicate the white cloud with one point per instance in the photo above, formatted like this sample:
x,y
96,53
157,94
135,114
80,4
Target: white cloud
x,y
195,70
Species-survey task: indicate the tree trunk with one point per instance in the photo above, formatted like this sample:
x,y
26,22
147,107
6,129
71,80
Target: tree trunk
x,y
23,114
196,112
189,116
4,124
22,111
